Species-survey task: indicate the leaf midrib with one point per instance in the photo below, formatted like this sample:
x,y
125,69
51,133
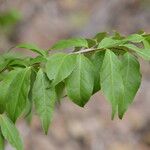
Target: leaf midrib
x,y
44,93
80,77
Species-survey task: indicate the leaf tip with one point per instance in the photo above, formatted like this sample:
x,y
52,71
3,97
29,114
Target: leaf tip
x,y
46,132
121,115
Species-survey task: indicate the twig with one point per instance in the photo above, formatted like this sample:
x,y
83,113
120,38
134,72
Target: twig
x,y
86,50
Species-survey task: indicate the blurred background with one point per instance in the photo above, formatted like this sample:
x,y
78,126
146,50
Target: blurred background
x,y
43,22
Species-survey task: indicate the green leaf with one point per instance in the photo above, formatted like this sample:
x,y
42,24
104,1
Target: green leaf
x,y
38,59
2,142
97,60
2,108
135,38
75,42
44,99
11,55
60,66
119,50
18,94
19,63
28,110
109,42
141,32
100,36
28,113
144,53
91,42
10,132
32,80
111,80
146,43
60,90
5,85
130,70
33,48
3,64
118,36
80,83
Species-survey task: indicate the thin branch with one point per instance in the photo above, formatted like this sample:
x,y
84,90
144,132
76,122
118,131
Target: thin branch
x,y
95,49
86,50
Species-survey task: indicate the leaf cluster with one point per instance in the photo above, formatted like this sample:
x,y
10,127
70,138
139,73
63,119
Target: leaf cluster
x,y
105,63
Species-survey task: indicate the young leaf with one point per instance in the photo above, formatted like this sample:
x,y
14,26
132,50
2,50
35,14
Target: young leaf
x,y
75,42
97,60
18,94
60,66
100,36
33,48
44,99
91,42
135,38
10,132
144,53
109,42
111,80
130,70
118,36
80,83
